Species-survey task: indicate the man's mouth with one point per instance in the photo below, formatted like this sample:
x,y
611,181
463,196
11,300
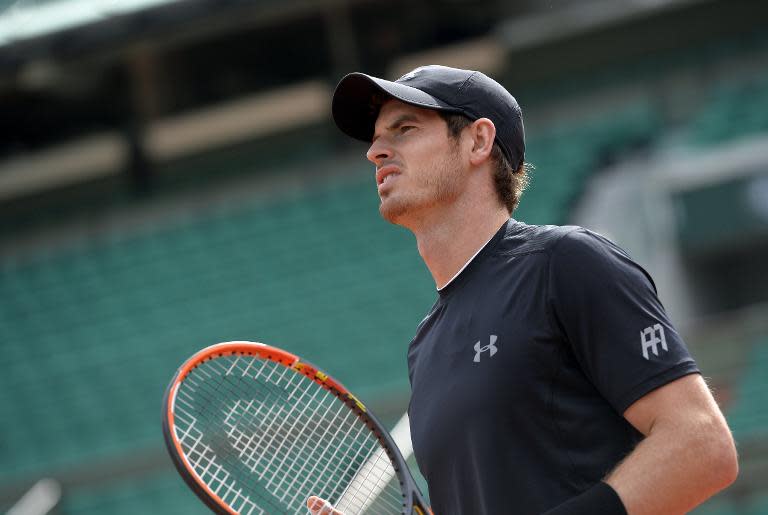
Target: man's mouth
x,y
385,173
387,177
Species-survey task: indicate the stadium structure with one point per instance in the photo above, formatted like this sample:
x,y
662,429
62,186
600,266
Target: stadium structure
x,y
170,177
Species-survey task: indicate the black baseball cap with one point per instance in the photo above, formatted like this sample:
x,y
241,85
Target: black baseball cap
x,y
358,98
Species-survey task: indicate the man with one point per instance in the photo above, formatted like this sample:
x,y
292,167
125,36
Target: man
x,y
547,377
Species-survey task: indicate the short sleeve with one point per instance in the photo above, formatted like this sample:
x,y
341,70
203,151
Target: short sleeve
x,y
606,307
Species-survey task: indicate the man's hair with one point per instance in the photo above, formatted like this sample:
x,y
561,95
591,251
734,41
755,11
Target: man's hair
x,y
510,183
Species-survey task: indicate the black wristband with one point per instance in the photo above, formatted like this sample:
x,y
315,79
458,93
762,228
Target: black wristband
x,y
601,499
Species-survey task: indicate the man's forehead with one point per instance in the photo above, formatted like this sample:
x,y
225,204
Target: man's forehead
x,y
392,109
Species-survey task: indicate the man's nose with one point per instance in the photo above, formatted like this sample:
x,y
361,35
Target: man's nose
x,y
378,151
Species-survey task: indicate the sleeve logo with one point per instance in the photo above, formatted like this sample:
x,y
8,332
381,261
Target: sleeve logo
x,y
650,338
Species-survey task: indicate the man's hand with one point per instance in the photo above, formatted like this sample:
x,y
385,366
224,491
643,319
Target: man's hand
x,y
319,506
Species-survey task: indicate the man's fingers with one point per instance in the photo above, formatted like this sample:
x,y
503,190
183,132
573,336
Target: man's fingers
x,y
319,506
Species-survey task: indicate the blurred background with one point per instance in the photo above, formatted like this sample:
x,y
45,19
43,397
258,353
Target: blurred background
x,y
170,177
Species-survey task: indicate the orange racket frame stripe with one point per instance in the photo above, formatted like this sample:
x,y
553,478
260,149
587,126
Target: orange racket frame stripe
x,y
247,348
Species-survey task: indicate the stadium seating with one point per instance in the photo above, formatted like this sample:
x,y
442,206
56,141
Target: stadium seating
x,y
92,333
747,416
156,493
565,156
749,422
106,323
732,110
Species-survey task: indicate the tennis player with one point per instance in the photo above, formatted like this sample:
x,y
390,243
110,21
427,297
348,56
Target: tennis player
x,y
547,377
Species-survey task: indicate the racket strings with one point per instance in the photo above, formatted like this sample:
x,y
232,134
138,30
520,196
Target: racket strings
x,y
200,457
268,447
264,438
370,490
362,484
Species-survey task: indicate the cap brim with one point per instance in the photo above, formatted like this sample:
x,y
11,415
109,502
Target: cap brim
x,y
355,105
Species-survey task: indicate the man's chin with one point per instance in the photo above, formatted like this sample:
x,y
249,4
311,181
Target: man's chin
x,y
392,211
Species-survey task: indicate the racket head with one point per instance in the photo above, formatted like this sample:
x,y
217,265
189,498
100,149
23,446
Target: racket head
x,y
254,365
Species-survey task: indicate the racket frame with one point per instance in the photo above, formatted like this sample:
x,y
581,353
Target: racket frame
x,y
414,502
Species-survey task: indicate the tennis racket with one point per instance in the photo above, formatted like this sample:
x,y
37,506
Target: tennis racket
x,y
253,429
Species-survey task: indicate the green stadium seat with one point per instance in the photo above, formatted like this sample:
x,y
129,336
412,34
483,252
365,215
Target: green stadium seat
x,y
734,109
159,493
113,318
317,272
758,505
747,416
716,506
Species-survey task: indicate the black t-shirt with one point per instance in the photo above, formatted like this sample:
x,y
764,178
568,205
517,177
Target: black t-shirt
x,y
522,369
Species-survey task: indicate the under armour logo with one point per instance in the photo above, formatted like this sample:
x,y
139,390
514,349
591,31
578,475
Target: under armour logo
x,y
491,348
651,337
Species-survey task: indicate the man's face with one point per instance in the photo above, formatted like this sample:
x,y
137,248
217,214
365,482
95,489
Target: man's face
x,y
419,168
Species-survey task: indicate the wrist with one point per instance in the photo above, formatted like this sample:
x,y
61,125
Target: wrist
x,y
600,499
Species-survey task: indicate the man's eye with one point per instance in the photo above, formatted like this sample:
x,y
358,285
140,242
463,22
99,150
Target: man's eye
x,y
406,128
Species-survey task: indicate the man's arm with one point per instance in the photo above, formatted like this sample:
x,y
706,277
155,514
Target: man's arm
x,y
688,453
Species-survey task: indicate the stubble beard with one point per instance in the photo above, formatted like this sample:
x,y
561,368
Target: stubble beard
x,y
437,186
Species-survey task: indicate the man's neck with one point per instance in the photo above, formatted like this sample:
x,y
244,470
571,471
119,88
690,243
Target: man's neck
x,y
450,241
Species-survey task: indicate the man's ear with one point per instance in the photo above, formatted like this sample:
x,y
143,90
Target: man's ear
x,y
483,134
